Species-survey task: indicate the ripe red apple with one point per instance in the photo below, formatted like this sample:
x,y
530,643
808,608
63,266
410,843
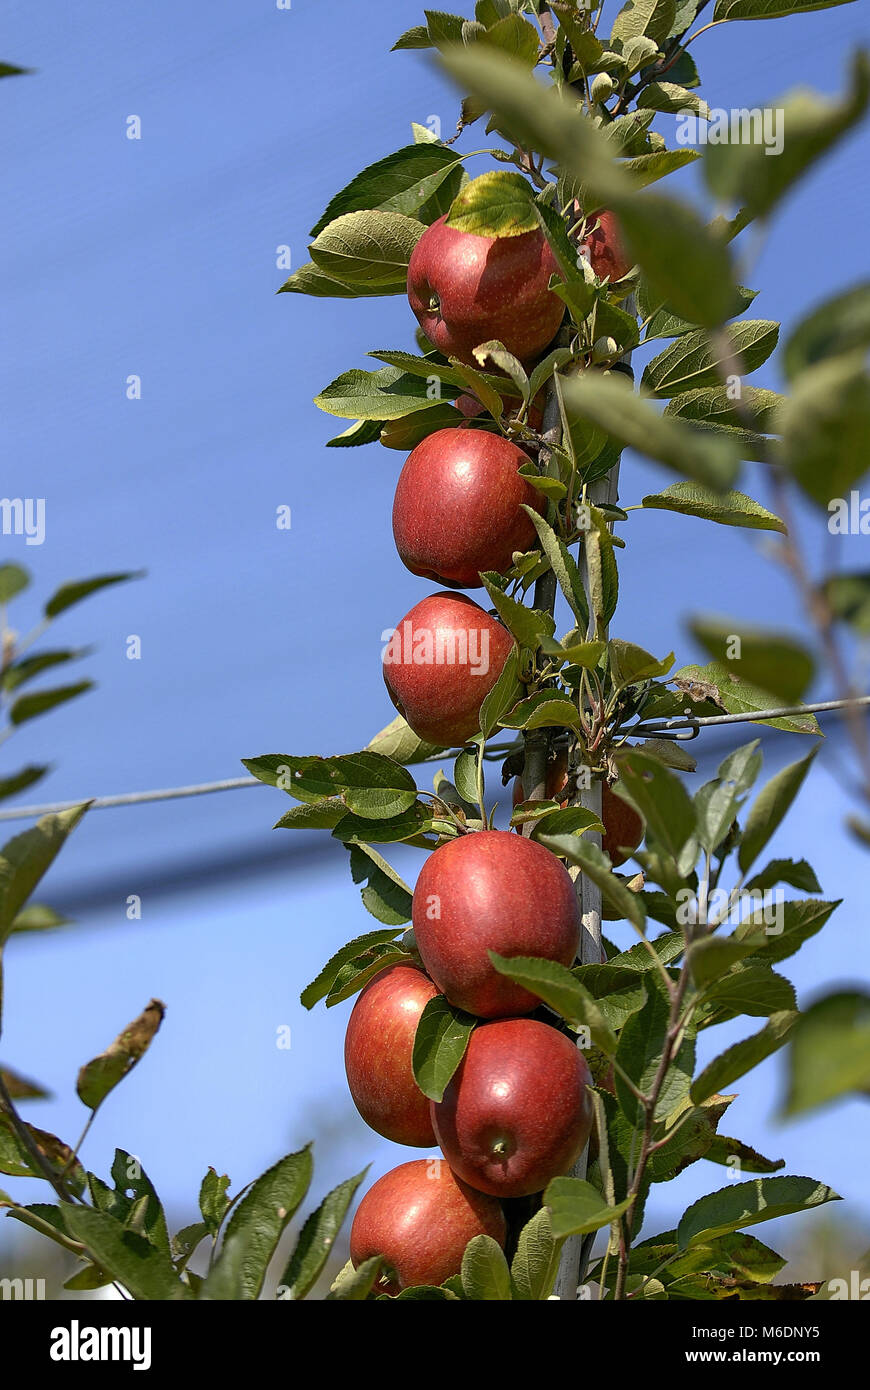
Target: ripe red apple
x,y
441,663
605,247
517,1112
466,290
623,827
490,890
471,408
420,1217
378,1048
457,509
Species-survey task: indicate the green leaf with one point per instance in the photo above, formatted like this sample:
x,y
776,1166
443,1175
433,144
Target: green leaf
x,y
837,326
15,1157
695,361
147,1272
829,1052
779,931
752,989
824,423
747,1204
754,174
630,664
20,1088
386,896
13,580
262,1215
669,96
31,666
417,37
399,742
29,706
651,17
503,696
558,987
497,204
405,182
357,972
770,809
369,784
659,796
664,323
609,402
514,36
726,508
320,987
848,597
213,1200
19,781
387,394
764,656
538,117
311,280
367,248
485,1273
576,1207
536,1262
724,1150
317,1238
737,696
686,263
710,956
313,815
798,873
596,865
527,625
439,1045
564,567
743,1056
355,1285
769,9
618,990
641,1047
97,1078
77,589
465,776
26,858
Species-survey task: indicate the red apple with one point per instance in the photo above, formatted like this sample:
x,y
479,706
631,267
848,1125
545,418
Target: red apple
x,y
457,509
471,408
623,827
441,663
492,891
517,1112
420,1217
605,247
378,1047
466,290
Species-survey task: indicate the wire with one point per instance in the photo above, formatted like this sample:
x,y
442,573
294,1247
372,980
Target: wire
x,y
656,728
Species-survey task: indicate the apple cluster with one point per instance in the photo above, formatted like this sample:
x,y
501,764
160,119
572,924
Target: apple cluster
x,y
517,1111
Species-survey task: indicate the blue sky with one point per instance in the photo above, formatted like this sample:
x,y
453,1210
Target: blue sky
x,y
157,257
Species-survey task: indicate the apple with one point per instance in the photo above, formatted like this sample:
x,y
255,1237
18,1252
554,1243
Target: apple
x,y
420,1217
605,247
378,1048
492,891
441,663
623,827
516,1112
471,408
458,507
466,290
